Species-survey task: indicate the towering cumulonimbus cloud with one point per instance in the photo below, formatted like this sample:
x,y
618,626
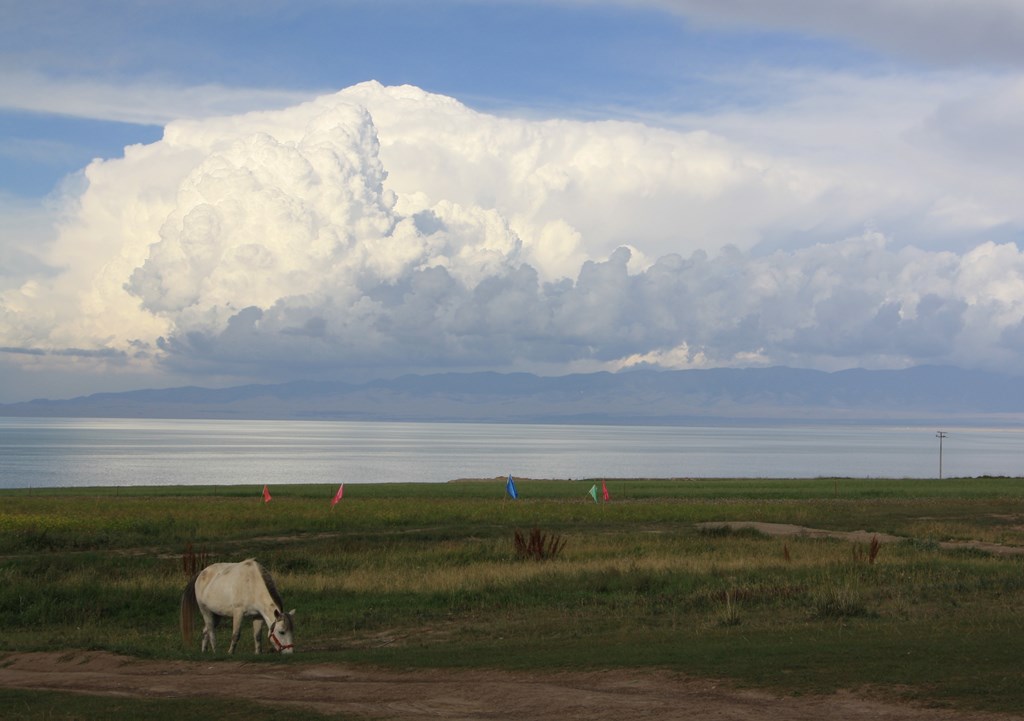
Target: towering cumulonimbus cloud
x,y
388,230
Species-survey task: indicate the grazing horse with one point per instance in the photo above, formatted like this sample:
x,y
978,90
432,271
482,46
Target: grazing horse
x,y
237,590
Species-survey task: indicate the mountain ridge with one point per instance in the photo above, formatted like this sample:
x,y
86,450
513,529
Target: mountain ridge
x,y
642,396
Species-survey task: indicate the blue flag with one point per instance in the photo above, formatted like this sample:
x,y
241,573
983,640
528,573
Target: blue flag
x,y
511,487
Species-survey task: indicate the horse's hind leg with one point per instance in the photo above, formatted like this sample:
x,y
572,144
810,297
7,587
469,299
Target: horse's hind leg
x,y
209,624
257,633
236,631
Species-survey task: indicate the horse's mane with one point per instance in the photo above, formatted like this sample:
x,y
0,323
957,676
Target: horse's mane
x,y
271,588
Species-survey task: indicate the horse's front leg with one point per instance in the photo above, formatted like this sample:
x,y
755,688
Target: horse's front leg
x,y
236,630
257,633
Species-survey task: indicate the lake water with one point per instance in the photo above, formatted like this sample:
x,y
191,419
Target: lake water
x,y
63,452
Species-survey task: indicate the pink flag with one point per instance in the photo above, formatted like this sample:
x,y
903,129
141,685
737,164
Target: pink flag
x,y
604,490
337,496
266,494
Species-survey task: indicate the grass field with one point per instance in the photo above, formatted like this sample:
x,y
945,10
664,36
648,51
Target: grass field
x,y
426,575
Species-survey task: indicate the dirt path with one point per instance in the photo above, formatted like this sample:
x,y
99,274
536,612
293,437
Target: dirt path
x,y
455,695
786,529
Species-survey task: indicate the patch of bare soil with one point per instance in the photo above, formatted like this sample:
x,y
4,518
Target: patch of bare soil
x,y
457,695
786,529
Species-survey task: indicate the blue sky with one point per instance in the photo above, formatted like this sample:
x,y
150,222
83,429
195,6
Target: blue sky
x,y
568,186
577,59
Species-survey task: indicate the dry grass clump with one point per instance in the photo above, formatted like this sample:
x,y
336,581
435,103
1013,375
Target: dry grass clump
x,y
538,547
729,615
869,556
192,561
837,600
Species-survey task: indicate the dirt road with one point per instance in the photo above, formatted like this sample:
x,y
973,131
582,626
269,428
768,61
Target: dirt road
x,y
455,695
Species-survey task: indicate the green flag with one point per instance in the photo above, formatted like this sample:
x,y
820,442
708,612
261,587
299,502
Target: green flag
x,y
593,492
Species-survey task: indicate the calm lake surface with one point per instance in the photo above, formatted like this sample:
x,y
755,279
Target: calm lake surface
x,y
63,452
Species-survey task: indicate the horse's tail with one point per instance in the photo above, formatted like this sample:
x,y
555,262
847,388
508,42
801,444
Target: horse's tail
x,y
189,606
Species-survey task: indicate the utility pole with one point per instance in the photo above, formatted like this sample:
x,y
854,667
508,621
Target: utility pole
x,y
940,435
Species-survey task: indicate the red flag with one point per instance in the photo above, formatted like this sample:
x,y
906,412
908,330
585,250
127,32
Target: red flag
x,y
604,490
337,496
266,494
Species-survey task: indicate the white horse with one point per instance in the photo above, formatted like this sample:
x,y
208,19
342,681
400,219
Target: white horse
x,y
237,590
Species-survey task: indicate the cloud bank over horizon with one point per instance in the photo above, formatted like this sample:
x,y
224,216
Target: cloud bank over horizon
x,y
383,230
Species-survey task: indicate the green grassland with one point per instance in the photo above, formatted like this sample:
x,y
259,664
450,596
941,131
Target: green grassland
x,y
426,575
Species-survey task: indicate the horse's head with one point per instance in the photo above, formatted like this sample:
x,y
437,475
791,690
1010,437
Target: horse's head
x,y
282,631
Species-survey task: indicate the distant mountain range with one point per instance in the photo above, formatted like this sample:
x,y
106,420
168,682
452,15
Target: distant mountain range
x,y
926,394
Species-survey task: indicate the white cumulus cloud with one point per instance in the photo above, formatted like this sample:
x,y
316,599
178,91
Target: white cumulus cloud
x,y
382,230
